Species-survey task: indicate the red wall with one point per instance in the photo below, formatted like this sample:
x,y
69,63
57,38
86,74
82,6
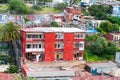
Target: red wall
x,y
23,44
49,46
109,37
68,46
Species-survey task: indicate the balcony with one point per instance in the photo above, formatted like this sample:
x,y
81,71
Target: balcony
x,y
35,50
34,40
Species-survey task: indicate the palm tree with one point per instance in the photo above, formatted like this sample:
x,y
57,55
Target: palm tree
x,y
9,33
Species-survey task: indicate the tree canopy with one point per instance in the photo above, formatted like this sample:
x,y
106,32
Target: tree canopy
x,y
107,27
102,46
10,32
18,6
100,11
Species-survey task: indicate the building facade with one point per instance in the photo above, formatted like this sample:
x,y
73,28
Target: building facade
x,y
52,44
115,37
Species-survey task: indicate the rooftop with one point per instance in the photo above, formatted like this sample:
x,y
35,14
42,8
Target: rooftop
x,y
51,29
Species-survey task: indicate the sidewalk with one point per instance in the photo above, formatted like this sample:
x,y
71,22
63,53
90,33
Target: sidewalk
x,y
56,64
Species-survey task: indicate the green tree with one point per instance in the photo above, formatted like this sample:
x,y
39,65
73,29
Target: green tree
x,y
54,24
106,26
91,38
100,11
98,47
113,19
9,33
61,6
115,28
18,6
111,48
72,2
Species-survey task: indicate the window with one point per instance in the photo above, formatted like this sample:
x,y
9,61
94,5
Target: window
x,y
34,45
40,46
40,36
59,45
76,44
28,46
29,36
59,36
81,45
78,36
34,36
81,36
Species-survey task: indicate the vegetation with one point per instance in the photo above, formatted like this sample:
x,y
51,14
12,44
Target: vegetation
x,y
37,7
12,69
113,19
99,49
90,57
74,2
18,6
3,59
3,8
103,12
9,33
61,6
54,24
4,1
100,11
107,27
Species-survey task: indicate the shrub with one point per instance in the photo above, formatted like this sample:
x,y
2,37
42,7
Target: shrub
x,y
12,69
54,24
37,7
61,6
19,7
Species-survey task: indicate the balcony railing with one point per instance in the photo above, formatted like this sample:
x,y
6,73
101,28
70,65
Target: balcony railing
x,y
35,50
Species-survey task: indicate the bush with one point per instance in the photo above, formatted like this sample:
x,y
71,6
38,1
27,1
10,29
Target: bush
x,y
37,7
61,6
19,7
54,24
12,69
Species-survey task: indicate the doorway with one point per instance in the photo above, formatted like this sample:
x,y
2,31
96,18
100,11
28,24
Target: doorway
x,y
30,56
58,56
78,56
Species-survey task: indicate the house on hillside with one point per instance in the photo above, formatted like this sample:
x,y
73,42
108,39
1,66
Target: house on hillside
x,y
113,37
52,44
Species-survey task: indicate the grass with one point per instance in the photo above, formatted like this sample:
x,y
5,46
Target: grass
x,y
47,10
3,8
17,77
89,57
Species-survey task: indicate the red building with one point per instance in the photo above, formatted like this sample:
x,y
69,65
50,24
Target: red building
x,y
51,44
113,37
74,13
